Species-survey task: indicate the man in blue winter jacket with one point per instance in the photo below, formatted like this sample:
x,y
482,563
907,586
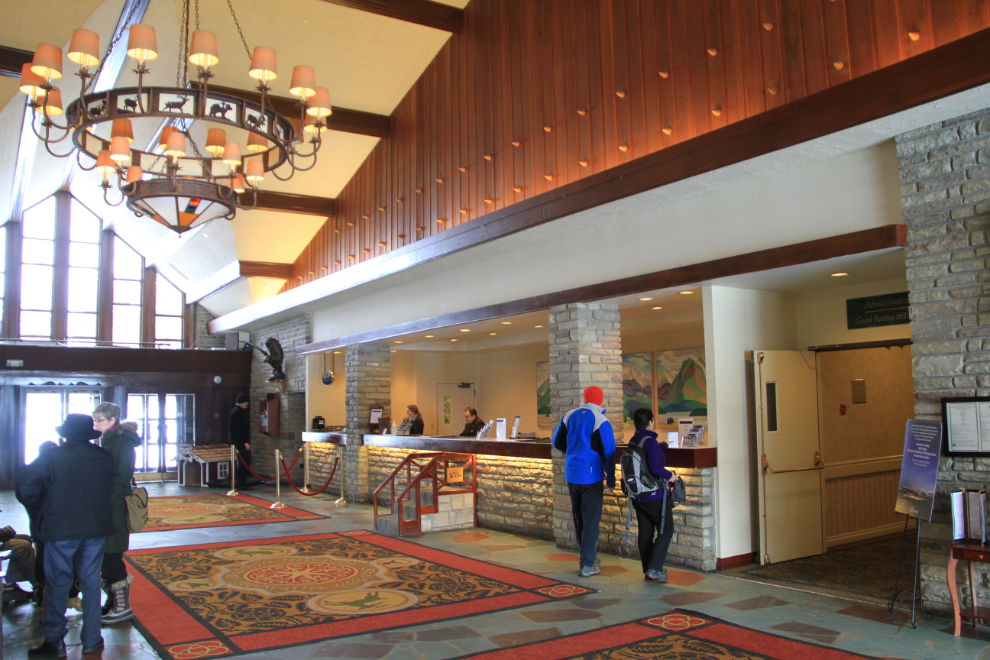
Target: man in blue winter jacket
x,y
585,436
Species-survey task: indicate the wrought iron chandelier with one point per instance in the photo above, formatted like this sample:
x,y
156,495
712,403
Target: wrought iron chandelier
x,y
174,181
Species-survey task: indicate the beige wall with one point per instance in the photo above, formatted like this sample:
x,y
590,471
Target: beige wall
x,y
415,376
324,400
508,386
821,315
664,340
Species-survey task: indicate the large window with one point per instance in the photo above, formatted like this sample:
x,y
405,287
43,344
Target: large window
x,y
3,268
37,271
168,314
127,270
84,274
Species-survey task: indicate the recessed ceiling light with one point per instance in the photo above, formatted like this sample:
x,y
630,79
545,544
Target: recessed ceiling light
x,y
538,326
465,329
398,342
429,336
686,293
506,322
658,308
645,299
336,352
453,340
840,274
492,334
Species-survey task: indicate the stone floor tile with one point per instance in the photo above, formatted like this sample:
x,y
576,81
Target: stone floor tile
x,y
757,603
689,598
683,578
523,637
804,629
563,556
569,614
392,637
501,548
878,614
353,650
596,603
471,537
446,634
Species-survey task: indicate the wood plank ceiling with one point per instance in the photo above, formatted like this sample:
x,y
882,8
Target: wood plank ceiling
x,y
530,96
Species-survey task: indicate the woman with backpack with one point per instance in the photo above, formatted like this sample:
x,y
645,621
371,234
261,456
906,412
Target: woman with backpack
x,y
654,512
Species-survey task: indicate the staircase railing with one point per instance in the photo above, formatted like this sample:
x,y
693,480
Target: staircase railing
x,y
434,467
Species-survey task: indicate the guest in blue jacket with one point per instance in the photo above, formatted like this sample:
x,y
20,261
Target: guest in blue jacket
x,y
585,436
652,509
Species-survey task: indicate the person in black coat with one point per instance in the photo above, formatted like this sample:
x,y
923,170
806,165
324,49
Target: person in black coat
x,y
239,434
70,485
472,423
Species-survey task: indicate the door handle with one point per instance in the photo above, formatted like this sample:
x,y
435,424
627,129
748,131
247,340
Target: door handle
x,y
765,465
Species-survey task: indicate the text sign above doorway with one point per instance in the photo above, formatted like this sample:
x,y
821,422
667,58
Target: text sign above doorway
x,y
875,311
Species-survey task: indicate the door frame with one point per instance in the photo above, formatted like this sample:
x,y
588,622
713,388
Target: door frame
x,y
163,470
438,399
22,407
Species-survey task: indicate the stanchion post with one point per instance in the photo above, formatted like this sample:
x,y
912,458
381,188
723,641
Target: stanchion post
x,y
306,489
233,467
343,476
278,482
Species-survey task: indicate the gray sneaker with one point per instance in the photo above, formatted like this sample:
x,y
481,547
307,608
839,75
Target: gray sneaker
x,y
588,571
653,575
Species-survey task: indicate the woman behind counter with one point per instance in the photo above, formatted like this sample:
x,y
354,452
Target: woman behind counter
x,y
413,423
472,423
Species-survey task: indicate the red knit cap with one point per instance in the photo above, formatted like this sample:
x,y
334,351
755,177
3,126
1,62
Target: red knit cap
x,y
594,395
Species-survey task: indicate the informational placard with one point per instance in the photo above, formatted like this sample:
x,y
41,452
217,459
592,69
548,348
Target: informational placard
x,y
376,415
515,427
966,425
500,428
919,469
877,311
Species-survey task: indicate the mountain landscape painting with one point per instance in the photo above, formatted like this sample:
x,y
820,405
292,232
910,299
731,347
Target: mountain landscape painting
x,y
637,387
543,393
682,390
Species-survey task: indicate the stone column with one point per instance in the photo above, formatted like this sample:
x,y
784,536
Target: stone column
x,y
946,202
585,349
368,369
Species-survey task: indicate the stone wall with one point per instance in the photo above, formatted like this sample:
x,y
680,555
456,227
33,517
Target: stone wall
x,y
203,338
945,177
292,402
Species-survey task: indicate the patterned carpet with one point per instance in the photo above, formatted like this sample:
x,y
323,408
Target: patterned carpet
x,y
680,634
229,598
191,511
864,573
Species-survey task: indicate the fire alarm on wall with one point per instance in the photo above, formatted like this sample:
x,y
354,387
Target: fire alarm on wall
x,y
842,409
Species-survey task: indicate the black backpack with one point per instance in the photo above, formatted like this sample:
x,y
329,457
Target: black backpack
x,y
637,480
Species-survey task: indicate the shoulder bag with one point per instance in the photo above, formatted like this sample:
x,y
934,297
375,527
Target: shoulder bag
x,y
137,508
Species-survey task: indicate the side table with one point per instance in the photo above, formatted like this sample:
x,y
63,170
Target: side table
x,y
971,552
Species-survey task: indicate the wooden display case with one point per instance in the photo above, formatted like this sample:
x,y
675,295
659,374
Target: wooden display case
x,y
268,415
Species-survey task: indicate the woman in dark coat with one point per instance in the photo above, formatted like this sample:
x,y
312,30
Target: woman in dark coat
x,y
120,441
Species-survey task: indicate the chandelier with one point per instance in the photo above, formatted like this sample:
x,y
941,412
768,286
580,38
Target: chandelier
x,y
174,181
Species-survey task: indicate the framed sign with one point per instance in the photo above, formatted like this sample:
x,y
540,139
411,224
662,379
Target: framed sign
x,y
966,426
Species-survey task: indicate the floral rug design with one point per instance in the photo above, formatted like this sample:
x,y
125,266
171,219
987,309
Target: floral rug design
x,y
210,510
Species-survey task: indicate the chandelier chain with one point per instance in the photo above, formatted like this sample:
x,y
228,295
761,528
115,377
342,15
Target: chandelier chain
x,y
116,38
180,76
197,14
239,30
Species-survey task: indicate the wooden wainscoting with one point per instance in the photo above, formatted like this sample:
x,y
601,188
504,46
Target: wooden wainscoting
x,y
859,500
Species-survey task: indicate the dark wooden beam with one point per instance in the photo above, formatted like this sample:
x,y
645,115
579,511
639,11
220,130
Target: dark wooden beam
x,y
287,203
68,360
12,60
11,325
859,345
858,242
342,119
943,71
148,298
104,298
60,272
421,12
265,269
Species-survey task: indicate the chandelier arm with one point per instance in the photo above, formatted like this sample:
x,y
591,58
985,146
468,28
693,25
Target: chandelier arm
x,y
47,138
49,150
106,186
48,121
275,172
79,162
249,208
297,168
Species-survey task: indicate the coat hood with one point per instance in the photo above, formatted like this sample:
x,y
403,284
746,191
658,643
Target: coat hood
x,y
127,434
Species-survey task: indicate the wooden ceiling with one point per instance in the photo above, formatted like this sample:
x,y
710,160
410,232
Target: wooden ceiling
x,y
530,96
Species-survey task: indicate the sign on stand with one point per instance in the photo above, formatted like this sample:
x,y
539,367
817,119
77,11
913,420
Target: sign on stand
x,y
919,469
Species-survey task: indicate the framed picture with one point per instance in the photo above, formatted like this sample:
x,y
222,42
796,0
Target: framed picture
x,y
637,388
543,394
682,386
966,426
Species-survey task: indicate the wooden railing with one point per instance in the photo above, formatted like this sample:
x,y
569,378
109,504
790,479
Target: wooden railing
x,y
435,469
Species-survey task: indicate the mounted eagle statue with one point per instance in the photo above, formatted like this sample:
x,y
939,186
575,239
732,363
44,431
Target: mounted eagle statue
x,y
273,357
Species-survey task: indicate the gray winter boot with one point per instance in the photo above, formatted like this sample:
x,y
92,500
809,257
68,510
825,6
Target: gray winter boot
x,y
121,610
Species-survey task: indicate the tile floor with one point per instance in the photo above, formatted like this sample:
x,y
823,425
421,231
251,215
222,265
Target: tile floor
x,y
623,596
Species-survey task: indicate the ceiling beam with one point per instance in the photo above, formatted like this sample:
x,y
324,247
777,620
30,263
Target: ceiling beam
x,y
421,12
265,269
325,207
956,67
12,60
342,119
234,272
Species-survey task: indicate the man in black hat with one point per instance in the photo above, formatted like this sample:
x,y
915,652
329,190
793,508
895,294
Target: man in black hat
x,y
239,432
70,485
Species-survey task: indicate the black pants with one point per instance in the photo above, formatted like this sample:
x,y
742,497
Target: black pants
x,y
113,569
242,462
586,507
653,546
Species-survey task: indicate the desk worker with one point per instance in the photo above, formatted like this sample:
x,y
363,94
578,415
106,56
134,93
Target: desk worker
x,y
413,423
472,423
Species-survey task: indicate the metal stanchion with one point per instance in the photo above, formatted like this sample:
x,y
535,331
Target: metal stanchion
x,y
306,488
343,476
233,466
278,482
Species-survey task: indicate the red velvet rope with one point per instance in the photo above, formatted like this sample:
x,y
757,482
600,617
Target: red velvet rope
x,y
292,483
271,479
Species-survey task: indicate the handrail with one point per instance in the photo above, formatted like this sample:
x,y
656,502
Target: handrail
x,y
400,466
767,468
429,469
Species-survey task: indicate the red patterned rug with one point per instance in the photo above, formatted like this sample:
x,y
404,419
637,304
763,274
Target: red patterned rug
x,y
680,634
214,510
224,599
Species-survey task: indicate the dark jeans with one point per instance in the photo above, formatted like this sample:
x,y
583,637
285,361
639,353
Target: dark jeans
x,y
653,551
63,561
113,569
242,462
586,507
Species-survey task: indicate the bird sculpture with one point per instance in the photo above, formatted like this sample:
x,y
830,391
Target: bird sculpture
x,y
273,357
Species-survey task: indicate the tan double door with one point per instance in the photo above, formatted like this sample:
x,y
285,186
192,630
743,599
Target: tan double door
x,y
789,470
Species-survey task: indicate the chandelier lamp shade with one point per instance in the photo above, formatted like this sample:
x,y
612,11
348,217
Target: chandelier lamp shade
x,y
196,170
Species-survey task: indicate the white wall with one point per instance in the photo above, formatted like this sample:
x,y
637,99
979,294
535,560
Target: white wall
x,y
738,321
821,315
325,400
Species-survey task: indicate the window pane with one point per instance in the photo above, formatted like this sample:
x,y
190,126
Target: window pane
x,y
36,324
171,407
82,289
135,411
85,227
83,403
168,299
127,291
39,221
3,250
126,262
42,411
86,255
36,287
38,252
126,324
168,327
81,325
153,407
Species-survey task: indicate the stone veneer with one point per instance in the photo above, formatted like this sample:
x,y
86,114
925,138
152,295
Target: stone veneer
x,y
203,338
368,385
945,177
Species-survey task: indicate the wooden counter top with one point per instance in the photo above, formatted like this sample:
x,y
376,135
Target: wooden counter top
x,y
333,437
702,457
